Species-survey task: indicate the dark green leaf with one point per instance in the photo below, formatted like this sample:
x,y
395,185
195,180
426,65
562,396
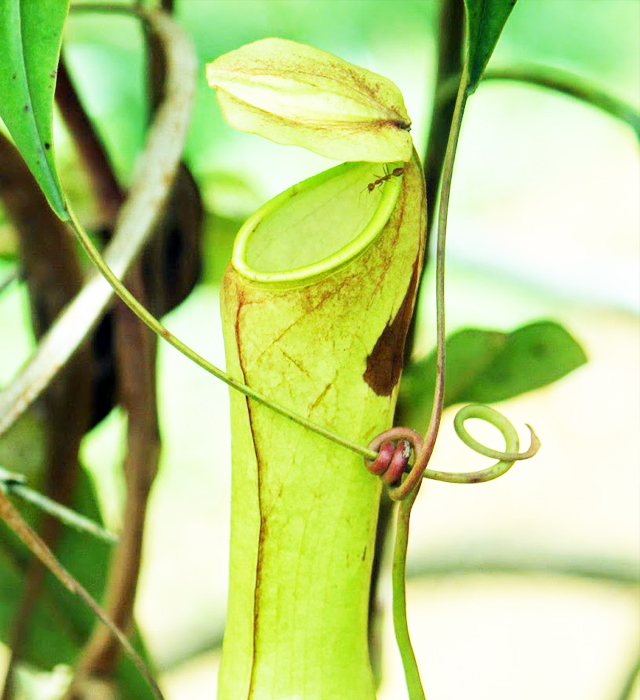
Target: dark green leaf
x,y
488,366
485,21
30,36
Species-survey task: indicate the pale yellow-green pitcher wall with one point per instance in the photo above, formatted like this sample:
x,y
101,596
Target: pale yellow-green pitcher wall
x,y
324,338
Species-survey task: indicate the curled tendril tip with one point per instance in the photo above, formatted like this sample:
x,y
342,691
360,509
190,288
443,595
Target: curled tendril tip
x,y
395,447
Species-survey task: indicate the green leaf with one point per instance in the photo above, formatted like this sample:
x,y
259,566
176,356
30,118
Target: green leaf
x,y
30,37
485,22
487,366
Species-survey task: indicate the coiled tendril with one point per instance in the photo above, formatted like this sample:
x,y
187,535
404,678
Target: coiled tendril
x,y
395,447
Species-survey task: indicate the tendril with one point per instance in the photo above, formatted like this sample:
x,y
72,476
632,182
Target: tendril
x,y
497,420
393,459
396,446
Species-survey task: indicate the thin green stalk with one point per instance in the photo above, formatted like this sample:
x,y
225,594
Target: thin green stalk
x,y
496,559
400,623
560,81
153,324
450,43
416,474
631,681
407,491
418,471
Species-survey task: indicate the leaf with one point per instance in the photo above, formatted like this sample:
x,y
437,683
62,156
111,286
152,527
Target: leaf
x,y
485,22
296,94
487,366
30,37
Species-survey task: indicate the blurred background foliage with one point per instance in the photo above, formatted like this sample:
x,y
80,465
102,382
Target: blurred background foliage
x,y
544,223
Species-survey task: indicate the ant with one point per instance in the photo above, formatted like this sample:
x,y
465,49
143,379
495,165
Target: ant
x,y
396,172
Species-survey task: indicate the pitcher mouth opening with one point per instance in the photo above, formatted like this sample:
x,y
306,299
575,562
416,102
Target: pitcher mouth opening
x,y
319,225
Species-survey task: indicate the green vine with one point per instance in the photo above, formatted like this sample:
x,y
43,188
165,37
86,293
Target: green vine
x,y
154,325
631,681
398,579
558,80
406,490
419,469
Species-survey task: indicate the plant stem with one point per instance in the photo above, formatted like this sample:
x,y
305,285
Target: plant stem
x,y
422,459
449,63
494,559
400,623
449,68
558,80
407,491
631,680
153,324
